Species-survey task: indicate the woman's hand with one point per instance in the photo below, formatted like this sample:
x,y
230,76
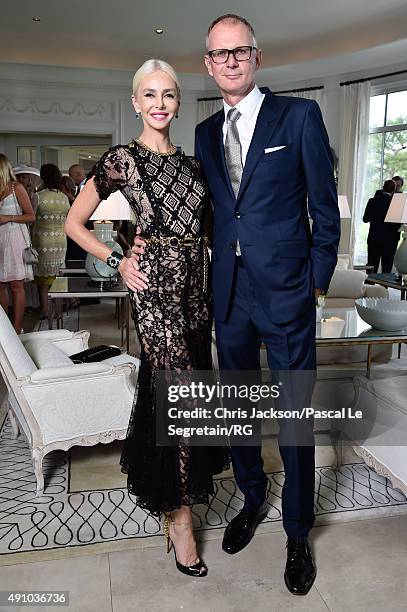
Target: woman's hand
x,y
139,244
5,219
130,272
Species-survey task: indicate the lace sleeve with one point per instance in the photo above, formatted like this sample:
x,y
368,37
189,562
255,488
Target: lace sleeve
x,y
111,172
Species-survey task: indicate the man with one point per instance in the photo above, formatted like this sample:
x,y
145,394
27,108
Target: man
x,y
78,175
399,183
383,237
263,156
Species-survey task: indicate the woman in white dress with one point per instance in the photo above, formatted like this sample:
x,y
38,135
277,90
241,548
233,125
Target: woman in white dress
x,y
15,210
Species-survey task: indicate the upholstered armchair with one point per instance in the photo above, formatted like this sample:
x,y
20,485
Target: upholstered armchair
x,y
57,404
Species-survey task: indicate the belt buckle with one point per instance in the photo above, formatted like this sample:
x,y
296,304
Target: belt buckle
x,y
174,241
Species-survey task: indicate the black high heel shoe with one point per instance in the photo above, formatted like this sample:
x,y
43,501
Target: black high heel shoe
x,y
198,570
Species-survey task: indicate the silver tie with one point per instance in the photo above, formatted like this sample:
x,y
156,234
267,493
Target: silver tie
x,y
233,150
233,154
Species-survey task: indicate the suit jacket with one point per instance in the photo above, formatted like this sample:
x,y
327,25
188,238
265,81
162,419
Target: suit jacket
x,y
285,260
375,213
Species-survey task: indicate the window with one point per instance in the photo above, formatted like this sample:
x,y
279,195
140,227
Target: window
x,y
387,152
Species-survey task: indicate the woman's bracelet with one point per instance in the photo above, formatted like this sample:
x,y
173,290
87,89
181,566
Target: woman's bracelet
x,y
114,259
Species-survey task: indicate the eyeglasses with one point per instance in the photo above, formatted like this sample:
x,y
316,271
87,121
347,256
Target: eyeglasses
x,y
241,54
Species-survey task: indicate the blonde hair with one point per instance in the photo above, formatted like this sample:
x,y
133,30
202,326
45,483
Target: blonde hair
x,y
153,65
6,175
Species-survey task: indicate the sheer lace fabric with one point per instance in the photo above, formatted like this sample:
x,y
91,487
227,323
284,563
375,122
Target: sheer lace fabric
x,y
172,317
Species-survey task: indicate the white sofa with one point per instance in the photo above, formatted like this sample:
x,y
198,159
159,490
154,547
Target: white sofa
x,y
58,404
383,402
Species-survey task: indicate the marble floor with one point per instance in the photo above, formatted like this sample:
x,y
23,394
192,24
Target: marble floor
x,y
361,566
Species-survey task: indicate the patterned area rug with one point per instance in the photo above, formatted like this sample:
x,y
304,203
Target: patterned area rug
x,y
62,519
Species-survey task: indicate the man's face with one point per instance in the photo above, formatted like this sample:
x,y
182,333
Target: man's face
x,y
77,174
234,78
399,185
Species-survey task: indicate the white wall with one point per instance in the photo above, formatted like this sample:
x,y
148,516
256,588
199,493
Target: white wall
x,y
77,101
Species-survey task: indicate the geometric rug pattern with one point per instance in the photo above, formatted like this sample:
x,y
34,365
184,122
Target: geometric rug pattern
x,y
60,518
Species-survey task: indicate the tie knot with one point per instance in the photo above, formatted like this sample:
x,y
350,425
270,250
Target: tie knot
x,y
233,115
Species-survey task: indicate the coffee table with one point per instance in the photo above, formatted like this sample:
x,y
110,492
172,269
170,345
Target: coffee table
x,y
344,327
80,287
389,280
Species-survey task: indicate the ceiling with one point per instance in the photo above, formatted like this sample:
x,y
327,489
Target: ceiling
x,y
120,33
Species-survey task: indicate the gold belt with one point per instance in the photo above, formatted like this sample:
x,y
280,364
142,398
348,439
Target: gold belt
x,y
188,241
174,241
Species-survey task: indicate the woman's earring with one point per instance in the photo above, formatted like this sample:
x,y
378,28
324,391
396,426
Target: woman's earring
x,y
176,115
137,115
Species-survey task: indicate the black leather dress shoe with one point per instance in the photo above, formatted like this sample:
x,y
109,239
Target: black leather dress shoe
x,y
241,529
300,570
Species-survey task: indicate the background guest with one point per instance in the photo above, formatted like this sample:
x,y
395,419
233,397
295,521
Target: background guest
x,y
30,178
78,175
48,233
15,212
383,237
399,183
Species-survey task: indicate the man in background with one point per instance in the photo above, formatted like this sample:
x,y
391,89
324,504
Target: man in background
x,y
383,237
399,183
78,175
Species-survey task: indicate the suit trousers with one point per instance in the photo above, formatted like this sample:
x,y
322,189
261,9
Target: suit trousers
x,y
290,347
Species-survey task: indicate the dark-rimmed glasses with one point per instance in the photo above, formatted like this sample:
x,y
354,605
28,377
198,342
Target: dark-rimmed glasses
x,y
241,54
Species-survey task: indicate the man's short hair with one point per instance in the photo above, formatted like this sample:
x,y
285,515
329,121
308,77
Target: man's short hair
x,y
398,178
232,18
389,186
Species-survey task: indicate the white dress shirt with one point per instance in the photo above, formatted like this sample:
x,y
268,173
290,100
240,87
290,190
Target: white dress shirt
x,y
249,108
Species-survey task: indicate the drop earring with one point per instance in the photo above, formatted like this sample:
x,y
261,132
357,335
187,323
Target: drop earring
x,y
176,115
137,115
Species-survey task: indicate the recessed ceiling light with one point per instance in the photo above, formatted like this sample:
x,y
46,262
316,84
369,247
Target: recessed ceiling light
x,y
159,30
37,19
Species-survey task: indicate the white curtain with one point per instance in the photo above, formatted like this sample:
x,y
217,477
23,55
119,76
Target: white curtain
x,y
314,94
354,125
206,108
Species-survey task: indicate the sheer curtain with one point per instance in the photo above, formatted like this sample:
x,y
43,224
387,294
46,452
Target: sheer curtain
x,y
355,105
206,108
315,94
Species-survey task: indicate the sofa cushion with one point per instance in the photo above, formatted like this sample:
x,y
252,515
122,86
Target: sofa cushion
x,y
45,354
347,284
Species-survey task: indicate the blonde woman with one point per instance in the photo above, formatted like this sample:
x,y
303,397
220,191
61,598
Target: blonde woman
x,y
170,306
15,212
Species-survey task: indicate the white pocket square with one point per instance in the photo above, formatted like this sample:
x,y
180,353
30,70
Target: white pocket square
x,y
272,149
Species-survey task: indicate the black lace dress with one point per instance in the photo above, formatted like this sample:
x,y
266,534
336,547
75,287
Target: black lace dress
x,y
172,317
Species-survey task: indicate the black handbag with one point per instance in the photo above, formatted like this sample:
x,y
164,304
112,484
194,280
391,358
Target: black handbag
x,y
96,353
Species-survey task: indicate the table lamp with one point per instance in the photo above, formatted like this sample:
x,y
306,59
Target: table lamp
x,y
117,208
397,213
344,209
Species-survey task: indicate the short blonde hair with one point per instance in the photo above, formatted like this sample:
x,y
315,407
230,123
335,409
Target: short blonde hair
x,y
153,65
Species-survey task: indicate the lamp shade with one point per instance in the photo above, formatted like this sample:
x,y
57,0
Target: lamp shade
x,y
115,208
397,212
344,209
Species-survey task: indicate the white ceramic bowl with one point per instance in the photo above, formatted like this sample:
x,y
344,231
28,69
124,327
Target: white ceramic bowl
x,y
382,313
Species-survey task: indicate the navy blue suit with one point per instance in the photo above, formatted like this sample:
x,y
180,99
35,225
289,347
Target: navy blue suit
x,y
270,299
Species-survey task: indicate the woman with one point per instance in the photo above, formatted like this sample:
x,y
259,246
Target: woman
x,y
170,307
48,232
30,179
15,211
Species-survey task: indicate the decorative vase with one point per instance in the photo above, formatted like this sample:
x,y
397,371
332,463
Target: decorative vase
x,y
98,270
400,258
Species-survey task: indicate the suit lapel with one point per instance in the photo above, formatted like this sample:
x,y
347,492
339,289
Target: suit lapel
x,y
268,119
216,141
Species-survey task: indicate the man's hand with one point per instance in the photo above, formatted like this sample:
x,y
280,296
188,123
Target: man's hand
x,y
139,244
317,294
130,273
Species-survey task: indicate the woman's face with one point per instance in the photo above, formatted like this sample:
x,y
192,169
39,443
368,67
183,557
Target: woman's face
x,y
157,100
